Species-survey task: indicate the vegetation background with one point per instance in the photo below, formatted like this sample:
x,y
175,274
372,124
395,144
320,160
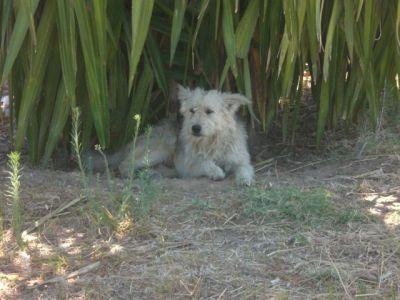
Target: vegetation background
x,y
115,59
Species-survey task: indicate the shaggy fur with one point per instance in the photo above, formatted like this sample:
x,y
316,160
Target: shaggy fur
x,y
211,141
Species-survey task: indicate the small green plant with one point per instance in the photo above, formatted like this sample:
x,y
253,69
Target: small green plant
x,y
202,204
13,193
127,196
306,206
77,146
133,150
108,173
147,194
148,189
140,203
352,215
117,211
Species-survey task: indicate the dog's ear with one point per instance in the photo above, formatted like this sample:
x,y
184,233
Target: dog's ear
x,y
234,101
183,93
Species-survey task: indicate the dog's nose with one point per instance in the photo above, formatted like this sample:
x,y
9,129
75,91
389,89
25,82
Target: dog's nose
x,y
196,129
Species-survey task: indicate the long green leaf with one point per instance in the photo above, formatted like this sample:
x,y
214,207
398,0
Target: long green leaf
x,y
141,15
18,35
34,81
229,35
246,27
95,73
60,115
349,26
329,39
67,33
177,24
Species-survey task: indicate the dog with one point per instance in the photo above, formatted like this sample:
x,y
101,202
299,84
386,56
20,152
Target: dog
x,y
211,141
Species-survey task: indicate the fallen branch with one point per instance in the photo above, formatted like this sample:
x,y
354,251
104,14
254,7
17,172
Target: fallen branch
x,y
309,165
371,174
285,250
76,273
51,215
340,277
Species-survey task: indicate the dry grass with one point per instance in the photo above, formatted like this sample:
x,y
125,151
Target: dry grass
x,y
200,240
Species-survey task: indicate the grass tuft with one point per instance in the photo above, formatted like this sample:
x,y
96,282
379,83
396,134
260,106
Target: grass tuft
x,y
13,192
295,204
77,145
302,206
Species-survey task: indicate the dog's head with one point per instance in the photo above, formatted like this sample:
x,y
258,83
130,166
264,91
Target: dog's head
x,y
207,112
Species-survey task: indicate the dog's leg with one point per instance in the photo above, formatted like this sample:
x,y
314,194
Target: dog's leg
x,y
244,174
211,170
198,168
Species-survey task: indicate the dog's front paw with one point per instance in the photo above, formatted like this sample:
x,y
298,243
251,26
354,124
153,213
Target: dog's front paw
x,y
248,181
245,176
216,173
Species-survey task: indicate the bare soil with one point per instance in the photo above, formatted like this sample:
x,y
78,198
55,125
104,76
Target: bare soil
x,y
198,242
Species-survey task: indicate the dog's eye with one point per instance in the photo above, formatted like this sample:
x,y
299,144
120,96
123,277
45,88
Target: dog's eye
x,y
209,111
192,110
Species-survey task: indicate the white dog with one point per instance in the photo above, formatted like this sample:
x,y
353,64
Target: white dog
x,y
211,142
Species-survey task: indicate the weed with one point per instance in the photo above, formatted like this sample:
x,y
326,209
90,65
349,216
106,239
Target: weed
x,y
108,173
139,205
306,206
77,146
127,196
133,150
146,196
13,193
202,204
60,263
300,240
352,215
135,200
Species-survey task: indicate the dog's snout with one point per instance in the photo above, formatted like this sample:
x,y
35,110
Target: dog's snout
x,y
196,129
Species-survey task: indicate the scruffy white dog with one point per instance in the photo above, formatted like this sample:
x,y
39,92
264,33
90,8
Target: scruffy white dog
x,y
211,142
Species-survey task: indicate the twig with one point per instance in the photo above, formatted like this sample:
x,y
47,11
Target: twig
x,y
76,273
371,174
339,177
222,294
194,290
340,277
308,165
230,219
284,250
264,167
51,215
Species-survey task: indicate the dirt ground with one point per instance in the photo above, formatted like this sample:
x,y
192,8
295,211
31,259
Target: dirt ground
x,y
315,226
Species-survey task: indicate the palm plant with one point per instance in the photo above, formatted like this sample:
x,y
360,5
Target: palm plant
x,y
115,59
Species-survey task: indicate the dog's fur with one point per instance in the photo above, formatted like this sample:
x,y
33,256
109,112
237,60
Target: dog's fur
x,y
211,142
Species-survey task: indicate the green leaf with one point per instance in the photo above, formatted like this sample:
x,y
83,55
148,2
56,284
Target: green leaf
x,y
229,35
349,26
95,72
59,118
246,27
177,24
66,29
35,77
20,29
329,39
141,15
